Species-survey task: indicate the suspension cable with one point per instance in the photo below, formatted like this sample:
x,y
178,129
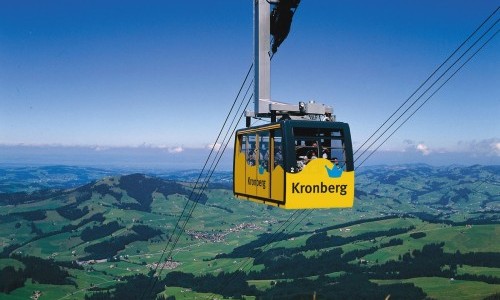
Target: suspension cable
x,y
423,103
428,78
193,189
431,86
204,185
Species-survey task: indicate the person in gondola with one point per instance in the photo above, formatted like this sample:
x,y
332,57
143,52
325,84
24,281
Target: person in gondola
x,y
325,153
336,163
251,157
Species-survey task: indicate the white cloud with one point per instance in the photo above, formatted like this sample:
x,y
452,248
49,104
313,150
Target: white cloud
x,y
422,148
175,150
410,146
476,148
496,148
216,146
487,147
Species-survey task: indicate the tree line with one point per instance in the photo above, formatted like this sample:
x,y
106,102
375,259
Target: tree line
x,y
430,261
39,270
112,246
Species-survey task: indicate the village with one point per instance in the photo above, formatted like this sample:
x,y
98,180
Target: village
x,y
219,237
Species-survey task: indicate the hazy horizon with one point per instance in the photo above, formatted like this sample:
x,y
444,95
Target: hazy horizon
x,y
194,158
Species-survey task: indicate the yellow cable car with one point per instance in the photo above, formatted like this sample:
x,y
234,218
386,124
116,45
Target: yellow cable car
x,y
302,161
295,164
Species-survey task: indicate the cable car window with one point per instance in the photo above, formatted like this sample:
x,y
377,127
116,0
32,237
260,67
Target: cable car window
x,y
338,152
264,150
278,150
311,143
250,149
243,143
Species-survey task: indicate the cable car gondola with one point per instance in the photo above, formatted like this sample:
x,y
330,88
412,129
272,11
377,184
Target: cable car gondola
x,y
295,164
304,160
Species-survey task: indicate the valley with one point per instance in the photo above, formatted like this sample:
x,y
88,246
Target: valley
x,y
415,231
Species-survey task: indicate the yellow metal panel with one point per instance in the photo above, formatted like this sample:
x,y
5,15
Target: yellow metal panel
x,y
263,184
278,184
239,170
252,181
317,186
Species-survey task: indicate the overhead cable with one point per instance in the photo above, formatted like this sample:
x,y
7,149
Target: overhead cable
x,y
427,80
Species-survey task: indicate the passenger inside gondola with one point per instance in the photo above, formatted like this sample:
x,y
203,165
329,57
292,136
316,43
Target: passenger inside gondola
x,y
251,157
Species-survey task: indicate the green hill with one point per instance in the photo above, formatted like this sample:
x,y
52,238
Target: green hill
x,y
414,232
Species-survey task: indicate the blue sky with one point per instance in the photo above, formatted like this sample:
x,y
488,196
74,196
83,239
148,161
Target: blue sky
x,y
156,79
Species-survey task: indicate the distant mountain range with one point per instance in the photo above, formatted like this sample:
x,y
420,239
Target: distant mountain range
x,y
471,190
455,193
35,178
